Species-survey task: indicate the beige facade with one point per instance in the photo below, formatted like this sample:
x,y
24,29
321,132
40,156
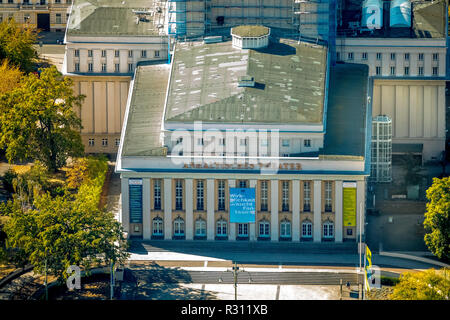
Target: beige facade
x,y
295,222
27,12
102,111
417,109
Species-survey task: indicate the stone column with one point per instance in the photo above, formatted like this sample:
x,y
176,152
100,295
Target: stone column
x,y
338,215
189,184
317,234
125,212
167,209
295,210
253,225
232,226
274,210
146,221
210,227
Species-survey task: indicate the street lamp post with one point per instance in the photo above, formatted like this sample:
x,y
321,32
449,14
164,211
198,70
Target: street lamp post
x,y
235,270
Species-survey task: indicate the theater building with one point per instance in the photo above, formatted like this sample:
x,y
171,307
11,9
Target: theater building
x,y
274,119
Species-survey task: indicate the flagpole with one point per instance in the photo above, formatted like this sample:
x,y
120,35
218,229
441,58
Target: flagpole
x,y
360,235
365,273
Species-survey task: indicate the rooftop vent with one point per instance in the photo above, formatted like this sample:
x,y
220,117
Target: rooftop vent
x,y
250,37
246,81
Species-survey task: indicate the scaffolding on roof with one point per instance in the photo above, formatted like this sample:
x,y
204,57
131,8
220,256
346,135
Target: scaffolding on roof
x,y
180,17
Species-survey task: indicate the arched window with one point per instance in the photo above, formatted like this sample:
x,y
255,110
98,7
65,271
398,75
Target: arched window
x,y
306,229
157,226
178,227
221,228
285,229
264,228
200,228
328,229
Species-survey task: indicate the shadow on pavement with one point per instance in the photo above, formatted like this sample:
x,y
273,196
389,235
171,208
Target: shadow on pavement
x,y
154,282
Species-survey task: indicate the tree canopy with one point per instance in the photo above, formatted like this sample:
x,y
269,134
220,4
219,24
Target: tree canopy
x,y
62,231
38,121
16,44
427,285
10,77
437,220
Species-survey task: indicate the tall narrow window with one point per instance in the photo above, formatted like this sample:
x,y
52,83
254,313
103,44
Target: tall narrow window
x,y
221,195
264,195
157,194
264,229
200,195
328,196
407,56
178,227
178,194
285,196
200,228
242,183
221,228
157,227
379,55
306,229
307,196
328,229
285,229
243,230
378,70
420,56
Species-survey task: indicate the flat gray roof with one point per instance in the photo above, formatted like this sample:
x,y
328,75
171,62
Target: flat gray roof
x,y
143,127
114,18
289,83
347,111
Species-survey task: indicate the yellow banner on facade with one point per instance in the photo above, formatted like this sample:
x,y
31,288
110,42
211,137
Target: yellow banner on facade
x,y
349,204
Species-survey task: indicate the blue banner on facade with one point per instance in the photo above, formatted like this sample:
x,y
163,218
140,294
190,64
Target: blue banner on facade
x,y
135,197
242,205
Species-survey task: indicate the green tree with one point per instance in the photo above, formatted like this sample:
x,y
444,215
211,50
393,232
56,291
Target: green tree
x,y
63,231
427,285
437,220
16,44
38,121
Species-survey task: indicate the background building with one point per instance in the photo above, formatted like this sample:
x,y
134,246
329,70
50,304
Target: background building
x,y
105,40
406,54
46,15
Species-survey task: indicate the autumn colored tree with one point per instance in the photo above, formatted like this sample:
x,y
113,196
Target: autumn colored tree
x,y
38,121
437,218
427,285
16,44
9,77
